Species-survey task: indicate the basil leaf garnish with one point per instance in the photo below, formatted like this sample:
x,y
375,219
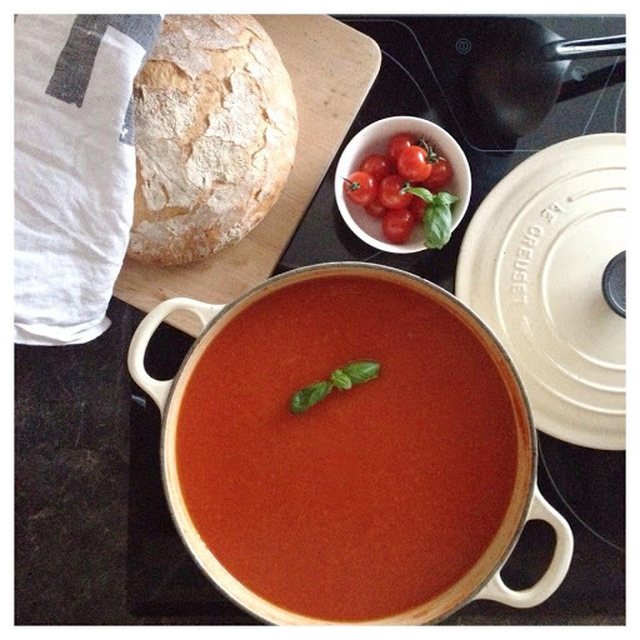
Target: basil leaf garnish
x,y
437,226
343,379
438,218
423,193
307,397
442,197
359,372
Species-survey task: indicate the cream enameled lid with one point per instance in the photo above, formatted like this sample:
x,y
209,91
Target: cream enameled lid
x,y
531,266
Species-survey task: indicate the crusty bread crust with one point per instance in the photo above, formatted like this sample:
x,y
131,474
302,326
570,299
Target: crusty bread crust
x,y
216,131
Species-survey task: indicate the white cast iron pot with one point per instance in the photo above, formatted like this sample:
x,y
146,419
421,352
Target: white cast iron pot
x,y
483,581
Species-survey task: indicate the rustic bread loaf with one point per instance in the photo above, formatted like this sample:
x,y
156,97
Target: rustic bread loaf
x,y
216,130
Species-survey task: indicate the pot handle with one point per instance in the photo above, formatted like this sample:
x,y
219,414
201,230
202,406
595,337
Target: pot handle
x,y
496,590
158,390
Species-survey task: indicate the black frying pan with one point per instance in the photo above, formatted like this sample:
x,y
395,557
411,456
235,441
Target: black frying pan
x,y
520,68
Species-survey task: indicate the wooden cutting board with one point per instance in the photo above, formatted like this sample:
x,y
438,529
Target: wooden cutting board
x,y
332,67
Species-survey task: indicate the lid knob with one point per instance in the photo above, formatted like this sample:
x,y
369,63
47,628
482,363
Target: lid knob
x,y
614,284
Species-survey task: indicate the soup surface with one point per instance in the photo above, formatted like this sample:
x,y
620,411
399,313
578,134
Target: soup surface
x,y
377,498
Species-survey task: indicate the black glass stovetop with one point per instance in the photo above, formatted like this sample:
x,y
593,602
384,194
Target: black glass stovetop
x,y
425,62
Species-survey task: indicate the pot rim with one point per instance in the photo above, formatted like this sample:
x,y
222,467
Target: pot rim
x,y
356,266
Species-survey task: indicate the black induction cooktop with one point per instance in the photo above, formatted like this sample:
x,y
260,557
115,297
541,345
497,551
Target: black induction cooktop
x,y
424,72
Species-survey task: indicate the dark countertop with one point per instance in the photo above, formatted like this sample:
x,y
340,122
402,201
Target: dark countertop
x,y
94,543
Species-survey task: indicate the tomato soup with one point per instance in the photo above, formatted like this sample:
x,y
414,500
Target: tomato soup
x,y
378,498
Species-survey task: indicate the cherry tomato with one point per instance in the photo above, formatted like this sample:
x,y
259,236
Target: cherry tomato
x,y
390,192
413,163
376,209
441,173
397,225
417,207
377,165
360,188
397,144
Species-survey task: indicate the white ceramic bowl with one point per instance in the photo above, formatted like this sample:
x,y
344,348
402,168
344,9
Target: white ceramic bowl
x,y
373,139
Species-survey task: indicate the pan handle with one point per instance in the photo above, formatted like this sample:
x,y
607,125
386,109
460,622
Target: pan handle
x,y
496,590
158,390
586,48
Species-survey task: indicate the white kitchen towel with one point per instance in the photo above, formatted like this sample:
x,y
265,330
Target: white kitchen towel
x,y
74,168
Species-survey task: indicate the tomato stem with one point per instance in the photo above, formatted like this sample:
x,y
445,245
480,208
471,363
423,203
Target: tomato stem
x,y
432,155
